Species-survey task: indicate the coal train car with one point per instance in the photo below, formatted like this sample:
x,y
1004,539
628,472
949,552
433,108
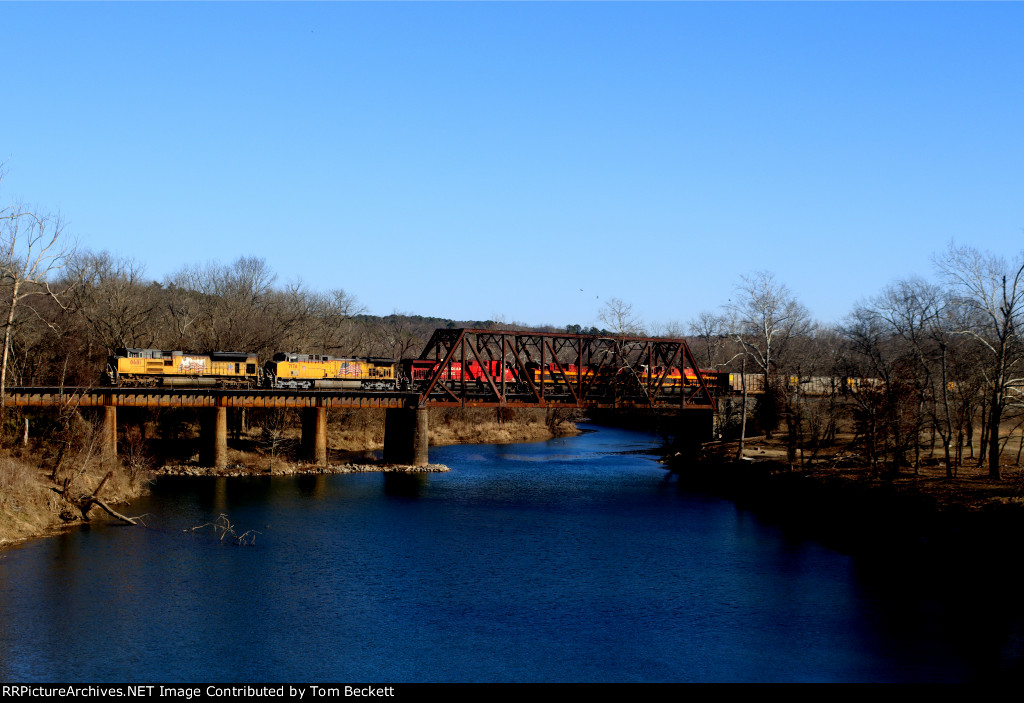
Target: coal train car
x,y
156,367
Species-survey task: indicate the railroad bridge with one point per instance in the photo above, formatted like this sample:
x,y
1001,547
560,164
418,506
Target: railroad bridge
x,y
515,369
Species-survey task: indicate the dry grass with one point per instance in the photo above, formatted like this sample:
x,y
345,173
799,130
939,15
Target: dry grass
x,y
480,426
970,488
29,504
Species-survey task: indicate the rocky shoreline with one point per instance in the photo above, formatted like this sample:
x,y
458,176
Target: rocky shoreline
x,y
298,470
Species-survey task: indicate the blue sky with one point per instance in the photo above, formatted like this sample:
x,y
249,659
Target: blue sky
x,y
525,160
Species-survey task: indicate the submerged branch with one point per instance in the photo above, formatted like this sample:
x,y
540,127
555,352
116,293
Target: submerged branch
x,y
222,526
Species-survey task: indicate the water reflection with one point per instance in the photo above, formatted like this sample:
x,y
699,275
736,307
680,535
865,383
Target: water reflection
x,y
220,494
405,485
567,561
311,485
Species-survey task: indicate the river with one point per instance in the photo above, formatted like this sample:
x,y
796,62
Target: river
x,y
578,559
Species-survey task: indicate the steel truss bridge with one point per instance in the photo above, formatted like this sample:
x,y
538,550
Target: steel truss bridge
x,y
579,371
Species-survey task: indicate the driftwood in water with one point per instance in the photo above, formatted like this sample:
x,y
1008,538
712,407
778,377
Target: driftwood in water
x,y
111,511
85,503
223,527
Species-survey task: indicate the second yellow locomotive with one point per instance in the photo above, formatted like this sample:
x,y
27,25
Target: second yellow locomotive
x,y
291,370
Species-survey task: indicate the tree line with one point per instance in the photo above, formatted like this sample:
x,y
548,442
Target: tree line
x,y
98,302
922,364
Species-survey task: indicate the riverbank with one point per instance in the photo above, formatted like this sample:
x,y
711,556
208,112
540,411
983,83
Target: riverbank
x,y
36,509
841,502
36,501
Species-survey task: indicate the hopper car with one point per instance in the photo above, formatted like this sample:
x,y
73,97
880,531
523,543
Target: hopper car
x,y
671,380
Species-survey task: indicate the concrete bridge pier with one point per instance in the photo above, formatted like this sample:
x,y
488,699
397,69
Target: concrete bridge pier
x,y
108,438
406,436
214,434
695,427
314,435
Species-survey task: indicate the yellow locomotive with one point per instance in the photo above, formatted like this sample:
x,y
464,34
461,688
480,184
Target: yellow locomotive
x,y
155,367
292,370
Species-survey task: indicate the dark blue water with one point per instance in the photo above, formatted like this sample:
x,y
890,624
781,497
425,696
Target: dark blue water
x,y
573,560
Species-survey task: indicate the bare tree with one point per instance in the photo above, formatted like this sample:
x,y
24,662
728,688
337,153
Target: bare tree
x,y
234,307
32,250
330,315
911,311
920,315
712,339
112,297
620,318
877,393
673,329
272,435
764,318
712,331
395,338
991,293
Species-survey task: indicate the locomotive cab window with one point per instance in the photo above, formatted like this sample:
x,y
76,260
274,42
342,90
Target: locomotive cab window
x,y
250,368
168,362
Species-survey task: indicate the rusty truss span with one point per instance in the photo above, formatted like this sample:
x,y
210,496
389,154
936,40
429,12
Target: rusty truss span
x,y
489,368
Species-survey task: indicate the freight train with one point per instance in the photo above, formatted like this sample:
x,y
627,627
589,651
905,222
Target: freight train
x,y
290,370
